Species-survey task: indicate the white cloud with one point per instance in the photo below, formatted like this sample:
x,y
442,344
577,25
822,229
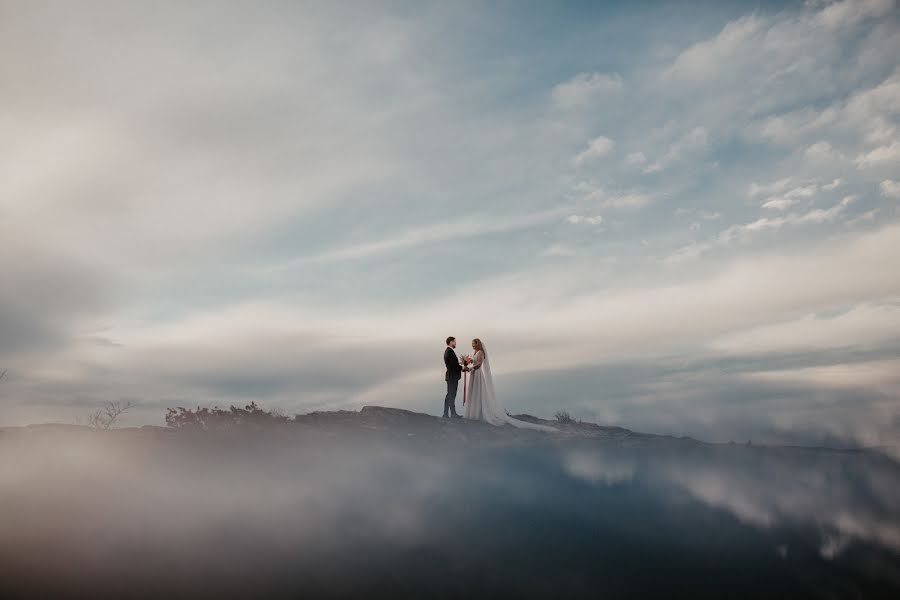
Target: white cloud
x,y
883,375
870,109
597,147
863,326
703,62
744,232
821,151
865,115
635,158
557,250
790,197
585,88
883,155
467,227
589,192
511,311
847,13
779,199
867,216
779,202
890,188
790,128
768,188
691,144
632,201
583,219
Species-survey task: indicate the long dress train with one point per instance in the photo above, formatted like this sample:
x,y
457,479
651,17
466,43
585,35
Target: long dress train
x,y
482,403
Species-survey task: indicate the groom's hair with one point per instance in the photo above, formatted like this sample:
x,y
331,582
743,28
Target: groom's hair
x,y
450,339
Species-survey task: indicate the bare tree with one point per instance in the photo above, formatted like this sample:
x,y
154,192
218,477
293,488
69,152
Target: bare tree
x,y
104,418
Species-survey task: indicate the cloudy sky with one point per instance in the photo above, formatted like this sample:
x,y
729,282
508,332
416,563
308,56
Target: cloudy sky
x,y
680,217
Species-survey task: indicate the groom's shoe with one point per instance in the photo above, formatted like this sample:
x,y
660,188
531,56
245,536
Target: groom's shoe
x,y
456,416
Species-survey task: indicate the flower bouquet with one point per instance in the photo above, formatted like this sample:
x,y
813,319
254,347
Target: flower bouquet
x,y
466,361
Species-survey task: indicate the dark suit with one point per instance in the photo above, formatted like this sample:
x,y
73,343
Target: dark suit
x,y
452,377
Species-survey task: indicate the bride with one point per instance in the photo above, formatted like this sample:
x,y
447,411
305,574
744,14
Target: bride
x,y
482,403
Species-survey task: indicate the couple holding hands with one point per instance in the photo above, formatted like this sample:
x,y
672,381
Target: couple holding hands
x,y
481,402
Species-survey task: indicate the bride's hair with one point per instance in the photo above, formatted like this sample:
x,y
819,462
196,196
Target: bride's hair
x,y
478,345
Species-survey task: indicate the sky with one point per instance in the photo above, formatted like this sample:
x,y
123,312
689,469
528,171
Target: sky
x,y
681,217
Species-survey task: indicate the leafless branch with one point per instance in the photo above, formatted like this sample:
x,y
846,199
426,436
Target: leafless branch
x,y
104,418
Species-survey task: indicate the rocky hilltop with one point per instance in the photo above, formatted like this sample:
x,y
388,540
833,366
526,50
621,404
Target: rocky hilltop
x,y
396,422
385,424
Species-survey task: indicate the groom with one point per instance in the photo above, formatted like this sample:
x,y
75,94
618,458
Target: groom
x,y
452,377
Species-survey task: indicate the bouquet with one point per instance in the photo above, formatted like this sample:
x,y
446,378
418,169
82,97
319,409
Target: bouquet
x,y
466,361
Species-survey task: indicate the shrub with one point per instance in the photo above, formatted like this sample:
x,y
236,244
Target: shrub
x,y
217,419
563,417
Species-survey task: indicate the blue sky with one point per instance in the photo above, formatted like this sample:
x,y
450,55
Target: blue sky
x,y
676,217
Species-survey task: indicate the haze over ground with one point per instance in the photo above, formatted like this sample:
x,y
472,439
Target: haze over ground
x,y
386,502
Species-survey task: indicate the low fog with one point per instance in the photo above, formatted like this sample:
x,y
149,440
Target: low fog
x,y
434,508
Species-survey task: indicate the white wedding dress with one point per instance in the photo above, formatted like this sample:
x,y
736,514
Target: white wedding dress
x,y
481,401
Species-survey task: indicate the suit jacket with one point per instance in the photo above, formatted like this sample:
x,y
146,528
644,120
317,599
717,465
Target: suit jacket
x,y
454,369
